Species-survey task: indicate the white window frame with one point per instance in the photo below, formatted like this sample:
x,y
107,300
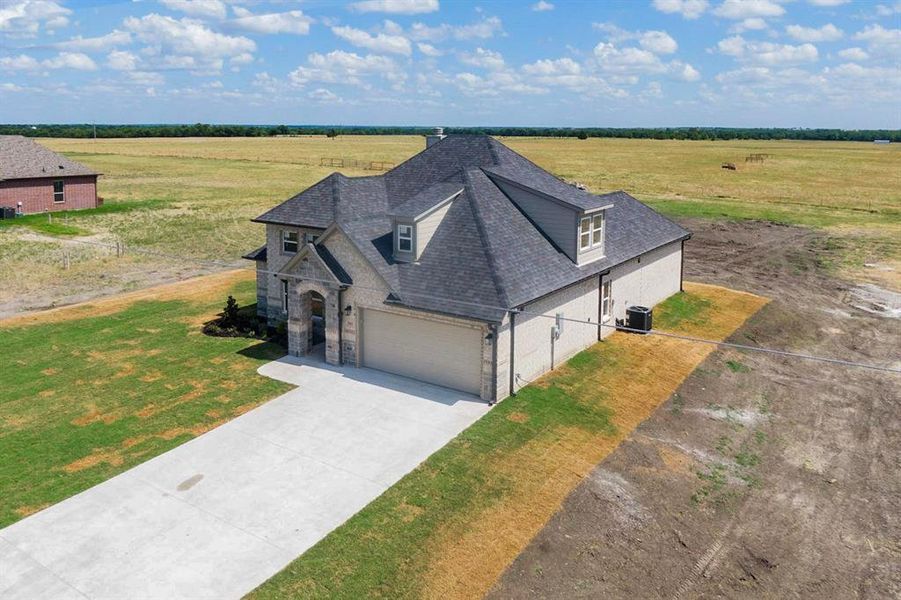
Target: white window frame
x,y
584,233
591,232
285,241
606,300
404,234
61,192
285,291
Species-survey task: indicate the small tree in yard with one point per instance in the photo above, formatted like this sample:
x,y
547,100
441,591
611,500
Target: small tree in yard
x,y
583,135
230,316
332,133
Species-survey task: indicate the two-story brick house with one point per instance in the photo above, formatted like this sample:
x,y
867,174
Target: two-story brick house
x,y
34,179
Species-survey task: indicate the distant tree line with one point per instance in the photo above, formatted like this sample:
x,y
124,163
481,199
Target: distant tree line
x,y
657,133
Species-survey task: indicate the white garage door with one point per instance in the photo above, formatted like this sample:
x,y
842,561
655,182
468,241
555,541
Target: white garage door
x,y
438,353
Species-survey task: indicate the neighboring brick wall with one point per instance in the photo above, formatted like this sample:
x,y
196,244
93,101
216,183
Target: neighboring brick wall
x,y
36,195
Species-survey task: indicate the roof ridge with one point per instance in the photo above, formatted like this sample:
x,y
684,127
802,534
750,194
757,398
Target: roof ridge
x,y
483,235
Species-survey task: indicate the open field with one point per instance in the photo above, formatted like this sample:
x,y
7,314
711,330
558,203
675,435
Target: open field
x,y
91,390
200,194
763,476
475,504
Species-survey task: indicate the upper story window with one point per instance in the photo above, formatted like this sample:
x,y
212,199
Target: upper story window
x,y
591,232
289,242
405,238
58,194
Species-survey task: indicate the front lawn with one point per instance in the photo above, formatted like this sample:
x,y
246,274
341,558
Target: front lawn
x,y
92,390
450,527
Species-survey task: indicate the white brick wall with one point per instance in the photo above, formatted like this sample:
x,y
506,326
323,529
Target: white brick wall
x,y
646,280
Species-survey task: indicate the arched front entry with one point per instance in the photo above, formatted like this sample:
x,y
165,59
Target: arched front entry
x,y
313,316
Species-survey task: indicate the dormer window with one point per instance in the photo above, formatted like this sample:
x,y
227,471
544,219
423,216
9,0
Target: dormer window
x,y
405,238
591,232
289,242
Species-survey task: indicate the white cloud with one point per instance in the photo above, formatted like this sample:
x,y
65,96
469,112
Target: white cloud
x,y
397,7
186,43
145,78
826,33
323,95
292,21
884,10
242,59
344,67
746,9
828,2
767,52
548,67
11,87
494,84
71,60
853,54
542,6
121,60
484,29
22,62
485,59
752,24
881,40
382,42
689,9
626,65
95,44
214,9
658,42
24,18
429,50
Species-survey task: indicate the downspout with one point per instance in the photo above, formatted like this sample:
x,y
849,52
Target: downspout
x,y
494,341
340,327
512,352
682,267
600,304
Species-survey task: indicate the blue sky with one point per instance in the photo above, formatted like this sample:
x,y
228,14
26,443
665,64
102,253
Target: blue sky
x,y
755,63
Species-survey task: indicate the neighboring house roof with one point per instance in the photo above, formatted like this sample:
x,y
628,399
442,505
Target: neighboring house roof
x,y
23,158
486,256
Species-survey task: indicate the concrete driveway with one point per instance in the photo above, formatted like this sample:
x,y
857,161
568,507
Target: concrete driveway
x,y
220,514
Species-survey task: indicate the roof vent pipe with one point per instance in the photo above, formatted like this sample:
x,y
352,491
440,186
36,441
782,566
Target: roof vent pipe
x,y
437,136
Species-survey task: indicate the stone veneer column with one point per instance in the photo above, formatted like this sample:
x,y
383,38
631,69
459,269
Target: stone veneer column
x,y
332,320
300,312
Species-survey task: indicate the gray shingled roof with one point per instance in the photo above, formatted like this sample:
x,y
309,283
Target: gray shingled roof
x,y
426,199
485,257
23,158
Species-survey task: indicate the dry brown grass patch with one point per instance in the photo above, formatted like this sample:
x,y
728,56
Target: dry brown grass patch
x,y
518,417
465,562
112,457
50,371
197,289
95,415
25,511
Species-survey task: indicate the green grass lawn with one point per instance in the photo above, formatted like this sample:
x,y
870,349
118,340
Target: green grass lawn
x,y
84,399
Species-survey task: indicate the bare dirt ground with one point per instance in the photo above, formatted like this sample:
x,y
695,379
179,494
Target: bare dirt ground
x,y
762,476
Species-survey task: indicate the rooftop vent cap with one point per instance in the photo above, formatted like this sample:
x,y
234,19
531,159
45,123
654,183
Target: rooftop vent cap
x,y
437,136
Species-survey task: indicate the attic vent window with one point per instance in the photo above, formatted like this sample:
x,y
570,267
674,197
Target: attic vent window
x,y
405,238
